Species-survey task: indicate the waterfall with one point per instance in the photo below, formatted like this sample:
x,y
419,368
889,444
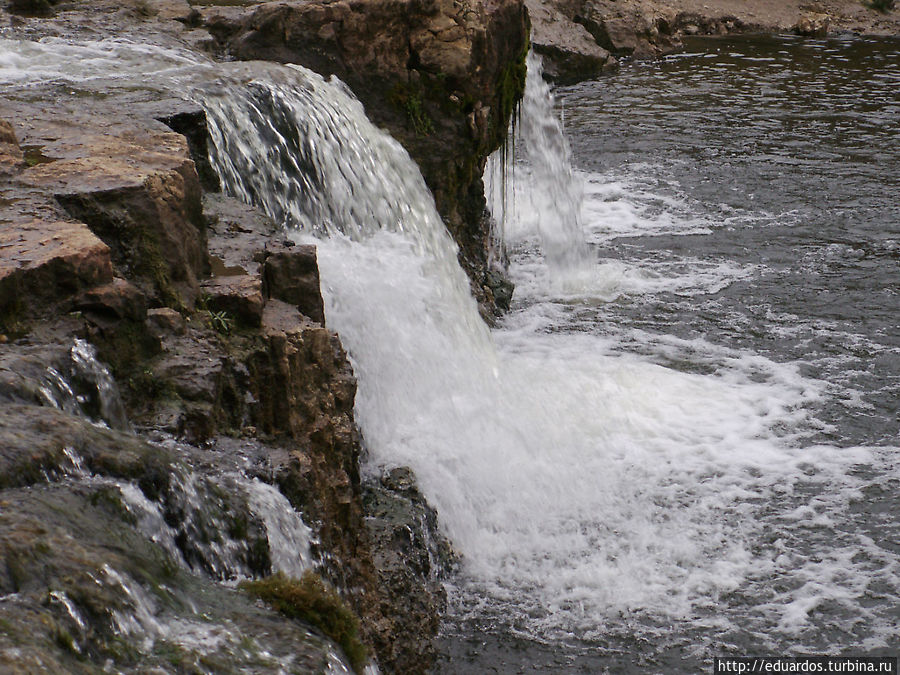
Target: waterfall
x,y
532,187
599,481
576,482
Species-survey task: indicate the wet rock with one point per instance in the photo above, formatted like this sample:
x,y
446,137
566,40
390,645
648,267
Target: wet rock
x,y
281,380
291,274
238,234
137,189
635,34
86,586
239,297
119,299
411,557
501,288
189,120
44,262
11,156
165,321
38,444
443,78
812,25
570,52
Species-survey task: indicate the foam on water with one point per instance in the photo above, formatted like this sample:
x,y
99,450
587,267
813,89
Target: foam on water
x,y
580,482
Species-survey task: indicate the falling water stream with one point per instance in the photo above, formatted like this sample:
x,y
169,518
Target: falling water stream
x,y
624,493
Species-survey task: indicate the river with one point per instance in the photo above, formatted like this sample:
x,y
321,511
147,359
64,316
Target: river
x,y
723,383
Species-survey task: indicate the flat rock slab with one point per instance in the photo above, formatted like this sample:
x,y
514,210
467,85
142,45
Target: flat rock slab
x,y
131,181
45,260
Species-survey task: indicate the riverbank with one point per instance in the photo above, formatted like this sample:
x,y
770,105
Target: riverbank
x,y
651,28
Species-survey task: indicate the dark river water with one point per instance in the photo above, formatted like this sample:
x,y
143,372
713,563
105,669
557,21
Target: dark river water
x,y
743,200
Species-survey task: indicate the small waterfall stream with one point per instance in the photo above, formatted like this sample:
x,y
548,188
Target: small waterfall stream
x,y
537,189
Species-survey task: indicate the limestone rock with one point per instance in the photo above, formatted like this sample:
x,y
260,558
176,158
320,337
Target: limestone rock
x,y
165,321
137,189
570,52
44,262
291,274
633,33
239,296
119,299
238,235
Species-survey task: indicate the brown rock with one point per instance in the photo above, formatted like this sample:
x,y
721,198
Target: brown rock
x,y
42,262
137,190
812,25
570,52
238,234
240,297
291,274
119,299
11,158
165,321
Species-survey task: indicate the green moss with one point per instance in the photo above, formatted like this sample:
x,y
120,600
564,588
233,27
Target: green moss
x,y
882,5
409,99
64,640
152,264
511,88
309,599
110,498
417,117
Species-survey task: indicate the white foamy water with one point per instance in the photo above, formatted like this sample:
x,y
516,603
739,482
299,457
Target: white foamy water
x,y
580,483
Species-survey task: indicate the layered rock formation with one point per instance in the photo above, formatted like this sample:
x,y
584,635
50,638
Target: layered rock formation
x,y
213,327
650,28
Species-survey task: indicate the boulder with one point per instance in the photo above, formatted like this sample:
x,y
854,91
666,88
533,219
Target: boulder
x,y
812,25
631,33
137,189
43,262
119,299
570,52
291,274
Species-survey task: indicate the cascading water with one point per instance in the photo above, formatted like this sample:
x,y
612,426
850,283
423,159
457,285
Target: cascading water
x,y
548,195
589,490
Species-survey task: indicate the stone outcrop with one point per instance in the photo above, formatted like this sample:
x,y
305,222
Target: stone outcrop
x,y
212,324
651,28
442,77
570,52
